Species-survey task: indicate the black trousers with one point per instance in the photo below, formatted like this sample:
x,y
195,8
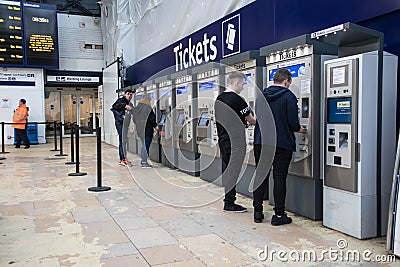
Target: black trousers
x,y
280,166
121,151
21,135
232,160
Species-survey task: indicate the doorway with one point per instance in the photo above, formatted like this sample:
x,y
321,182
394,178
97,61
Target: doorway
x,y
73,107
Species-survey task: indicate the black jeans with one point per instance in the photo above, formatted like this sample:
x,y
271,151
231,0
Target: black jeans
x,y
232,160
21,135
280,166
121,150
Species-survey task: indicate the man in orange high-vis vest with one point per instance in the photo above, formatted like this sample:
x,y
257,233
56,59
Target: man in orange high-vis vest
x,y
20,116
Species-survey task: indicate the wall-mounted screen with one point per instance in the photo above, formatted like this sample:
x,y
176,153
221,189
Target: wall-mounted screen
x,y
296,71
339,110
203,120
11,31
28,35
163,118
180,119
204,86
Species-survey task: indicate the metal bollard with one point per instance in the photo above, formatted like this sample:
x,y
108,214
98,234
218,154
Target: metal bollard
x,y
77,173
61,142
72,145
3,139
55,137
99,187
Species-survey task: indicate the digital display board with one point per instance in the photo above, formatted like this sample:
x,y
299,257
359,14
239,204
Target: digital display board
x,y
28,35
339,110
11,31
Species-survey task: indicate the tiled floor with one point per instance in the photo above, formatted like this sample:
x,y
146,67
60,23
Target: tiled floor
x,y
150,217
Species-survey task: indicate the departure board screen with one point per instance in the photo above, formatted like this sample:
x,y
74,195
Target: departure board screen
x,y
11,31
40,28
28,35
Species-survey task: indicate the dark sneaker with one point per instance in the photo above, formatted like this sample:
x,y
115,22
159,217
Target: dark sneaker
x,y
280,220
17,146
26,147
234,208
258,216
145,165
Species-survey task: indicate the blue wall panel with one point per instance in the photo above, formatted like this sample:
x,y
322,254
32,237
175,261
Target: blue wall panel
x,y
264,22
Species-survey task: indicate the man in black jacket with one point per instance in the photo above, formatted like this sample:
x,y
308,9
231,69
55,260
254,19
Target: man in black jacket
x,y
145,120
118,109
283,104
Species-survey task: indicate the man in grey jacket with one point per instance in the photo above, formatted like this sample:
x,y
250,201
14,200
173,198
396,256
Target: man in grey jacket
x,y
145,120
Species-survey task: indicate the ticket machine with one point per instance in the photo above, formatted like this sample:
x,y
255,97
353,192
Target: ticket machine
x,y
251,64
184,124
152,92
304,58
166,102
359,154
208,88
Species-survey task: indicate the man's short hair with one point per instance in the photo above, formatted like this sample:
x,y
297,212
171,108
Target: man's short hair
x,y
23,101
234,76
128,91
281,75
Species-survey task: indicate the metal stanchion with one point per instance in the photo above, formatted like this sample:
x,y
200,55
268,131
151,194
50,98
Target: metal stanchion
x,y
61,142
99,187
77,173
3,139
72,145
55,137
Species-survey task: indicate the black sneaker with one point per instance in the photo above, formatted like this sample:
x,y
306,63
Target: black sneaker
x,y
146,165
258,216
234,208
280,220
17,146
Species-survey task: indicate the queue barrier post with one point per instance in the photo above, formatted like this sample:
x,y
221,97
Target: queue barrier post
x,y
99,187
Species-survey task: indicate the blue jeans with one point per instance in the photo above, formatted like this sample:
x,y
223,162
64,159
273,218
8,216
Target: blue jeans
x,y
120,145
146,142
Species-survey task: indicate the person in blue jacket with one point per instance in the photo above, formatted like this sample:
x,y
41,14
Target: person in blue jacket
x,y
283,104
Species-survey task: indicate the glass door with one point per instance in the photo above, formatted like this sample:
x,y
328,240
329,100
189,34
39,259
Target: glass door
x,y
70,111
78,108
52,110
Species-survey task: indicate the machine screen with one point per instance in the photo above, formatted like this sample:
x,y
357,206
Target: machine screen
x,y
206,86
163,117
295,70
203,121
248,79
339,110
339,76
181,118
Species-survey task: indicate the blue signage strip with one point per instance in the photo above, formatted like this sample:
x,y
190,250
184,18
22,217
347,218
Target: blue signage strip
x,y
206,86
296,71
182,90
16,83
